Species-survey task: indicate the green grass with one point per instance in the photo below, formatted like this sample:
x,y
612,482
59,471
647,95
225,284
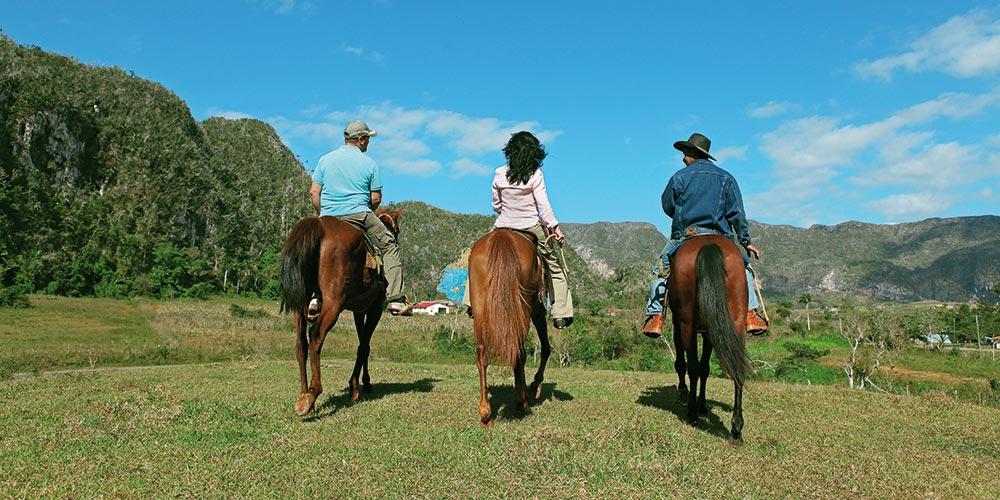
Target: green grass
x,y
230,430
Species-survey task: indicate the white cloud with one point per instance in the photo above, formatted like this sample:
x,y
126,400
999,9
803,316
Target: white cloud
x,y
993,141
231,115
811,154
283,7
964,46
316,132
939,165
416,140
358,51
466,166
804,144
904,207
732,152
373,55
313,110
771,108
421,167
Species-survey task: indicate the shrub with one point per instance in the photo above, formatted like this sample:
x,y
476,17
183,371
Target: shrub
x,y
13,297
450,342
238,311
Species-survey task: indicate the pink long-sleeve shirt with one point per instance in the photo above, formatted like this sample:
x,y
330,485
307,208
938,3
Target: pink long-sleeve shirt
x,y
521,206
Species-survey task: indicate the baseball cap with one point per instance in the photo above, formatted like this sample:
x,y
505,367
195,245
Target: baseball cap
x,y
358,129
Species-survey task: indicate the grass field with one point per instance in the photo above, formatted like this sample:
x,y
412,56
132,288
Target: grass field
x,y
229,429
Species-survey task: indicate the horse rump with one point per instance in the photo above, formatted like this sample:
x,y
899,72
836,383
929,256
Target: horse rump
x,y
715,316
505,316
298,274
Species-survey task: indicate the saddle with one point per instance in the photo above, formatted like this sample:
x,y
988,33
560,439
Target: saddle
x,y
373,275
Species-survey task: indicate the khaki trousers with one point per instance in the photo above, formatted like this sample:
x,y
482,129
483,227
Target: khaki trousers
x,y
385,241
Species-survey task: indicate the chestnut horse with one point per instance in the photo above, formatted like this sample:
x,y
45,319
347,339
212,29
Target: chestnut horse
x,y
708,293
326,256
506,288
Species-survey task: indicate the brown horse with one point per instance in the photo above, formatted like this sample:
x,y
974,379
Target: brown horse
x,y
327,256
708,293
506,288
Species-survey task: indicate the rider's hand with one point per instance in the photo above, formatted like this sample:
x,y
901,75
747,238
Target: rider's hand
x,y
753,250
560,237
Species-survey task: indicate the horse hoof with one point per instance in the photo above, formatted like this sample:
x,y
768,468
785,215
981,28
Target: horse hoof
x,y
735,442
486,424
305,404
536,390
355,395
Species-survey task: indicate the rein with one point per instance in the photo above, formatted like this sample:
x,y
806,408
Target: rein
x,y
395,227
562,254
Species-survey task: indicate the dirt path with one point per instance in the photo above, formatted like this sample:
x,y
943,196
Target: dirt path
x,y
901,372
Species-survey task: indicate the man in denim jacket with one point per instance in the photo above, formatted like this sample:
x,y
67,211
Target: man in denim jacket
x,y
701,198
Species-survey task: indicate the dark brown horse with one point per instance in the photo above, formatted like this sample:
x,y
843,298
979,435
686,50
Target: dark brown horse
x,y
327,257
506,288
708,293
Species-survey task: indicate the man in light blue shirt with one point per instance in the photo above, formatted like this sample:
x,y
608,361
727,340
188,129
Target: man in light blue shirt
x,y
347,184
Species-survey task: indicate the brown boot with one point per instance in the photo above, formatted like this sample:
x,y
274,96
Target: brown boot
x,y
755,324
653,327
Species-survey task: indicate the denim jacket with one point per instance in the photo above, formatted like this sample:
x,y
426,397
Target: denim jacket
x,y
707,197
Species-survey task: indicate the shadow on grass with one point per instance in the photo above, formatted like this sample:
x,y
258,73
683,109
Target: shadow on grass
x,y
502,400
335,403
665,398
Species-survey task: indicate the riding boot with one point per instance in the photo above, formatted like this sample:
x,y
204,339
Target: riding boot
x,y
755,324
653,327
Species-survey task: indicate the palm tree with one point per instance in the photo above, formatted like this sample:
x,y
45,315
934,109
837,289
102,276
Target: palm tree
x,y
806,298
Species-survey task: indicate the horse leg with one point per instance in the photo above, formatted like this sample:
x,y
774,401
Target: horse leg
x,y
543,337
354,383
692,370
372,319
520,388
680,365
737,430
327,319
304,404
365,324
485,412
706,356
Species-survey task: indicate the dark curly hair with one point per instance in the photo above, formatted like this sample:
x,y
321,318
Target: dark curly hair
x,y
524,155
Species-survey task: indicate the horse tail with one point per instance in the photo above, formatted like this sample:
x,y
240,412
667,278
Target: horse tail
x,y
715,316
298,277
507,314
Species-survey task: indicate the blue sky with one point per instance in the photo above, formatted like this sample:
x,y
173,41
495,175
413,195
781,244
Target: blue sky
x,y
824,111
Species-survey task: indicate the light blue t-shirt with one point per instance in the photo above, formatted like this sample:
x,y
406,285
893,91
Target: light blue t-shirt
x,y
347,177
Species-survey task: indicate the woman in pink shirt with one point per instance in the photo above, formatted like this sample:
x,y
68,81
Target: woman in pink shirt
x,y
519,197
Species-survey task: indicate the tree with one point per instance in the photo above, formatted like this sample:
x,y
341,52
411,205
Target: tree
x,y
806,299
871,335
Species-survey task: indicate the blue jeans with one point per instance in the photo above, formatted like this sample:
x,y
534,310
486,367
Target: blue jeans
x,y
658,286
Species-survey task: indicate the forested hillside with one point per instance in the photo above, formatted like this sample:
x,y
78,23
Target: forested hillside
x,y
944,259
111,187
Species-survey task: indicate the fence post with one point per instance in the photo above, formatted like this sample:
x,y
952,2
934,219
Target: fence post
x,y
979,337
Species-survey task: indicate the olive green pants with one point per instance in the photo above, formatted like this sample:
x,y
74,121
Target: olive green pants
x,y
385,242
562,306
